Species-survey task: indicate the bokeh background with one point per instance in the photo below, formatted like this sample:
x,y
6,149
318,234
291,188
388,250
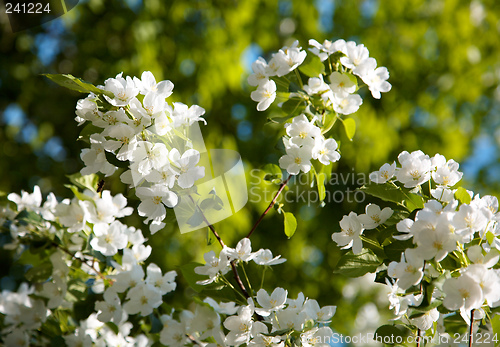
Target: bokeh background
x,y
443,57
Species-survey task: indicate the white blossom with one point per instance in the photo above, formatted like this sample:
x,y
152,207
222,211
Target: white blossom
x,y
349,236
123,89
374,216
409,270
264,95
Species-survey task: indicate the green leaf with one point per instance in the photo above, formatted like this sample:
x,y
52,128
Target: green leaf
x,y
273,173
114,328
76,84
462,195
414,201
279,332
282,85
57,341
388,333
356,265
393,251
113,160
329,120
39,273
455,324
84,182
30,217
350,127
381,276
290,224
428,307
156,324
192,277
397,216
210,237
282,96
280,120
495,323
320,180
490,237
335,57
79,195
88,130
294,107
312,66
386,192
77,291
397,195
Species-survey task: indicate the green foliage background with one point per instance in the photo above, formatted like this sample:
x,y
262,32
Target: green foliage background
x,y
444,61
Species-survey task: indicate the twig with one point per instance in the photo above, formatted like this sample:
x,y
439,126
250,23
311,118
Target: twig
x,y
233,266
208,223
471,330
238,280
269,207
79,259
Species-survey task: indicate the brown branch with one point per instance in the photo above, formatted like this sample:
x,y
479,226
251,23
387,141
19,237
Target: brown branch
x,y
418,337
210,226
471,330
233,266
269,207
238,280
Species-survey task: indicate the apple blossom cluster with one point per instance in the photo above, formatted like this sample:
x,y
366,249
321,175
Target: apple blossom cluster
x,y
350,60
228,324
305,142
84,249
138,126
445,229
418,168
353,225
267,319
451,244
315,105
216,266
356,59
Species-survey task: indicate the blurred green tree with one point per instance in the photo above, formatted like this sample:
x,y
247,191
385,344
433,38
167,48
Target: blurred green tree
x,y
443,57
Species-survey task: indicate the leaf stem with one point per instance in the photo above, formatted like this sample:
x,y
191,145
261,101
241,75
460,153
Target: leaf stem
x,y
370,241
263,276
232,287
246,277
299,79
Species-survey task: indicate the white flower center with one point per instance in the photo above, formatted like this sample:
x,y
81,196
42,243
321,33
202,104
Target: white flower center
x,y
437,245
464,293
376,218
349,232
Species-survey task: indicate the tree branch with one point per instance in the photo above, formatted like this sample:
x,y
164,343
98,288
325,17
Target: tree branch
x,y
269,207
